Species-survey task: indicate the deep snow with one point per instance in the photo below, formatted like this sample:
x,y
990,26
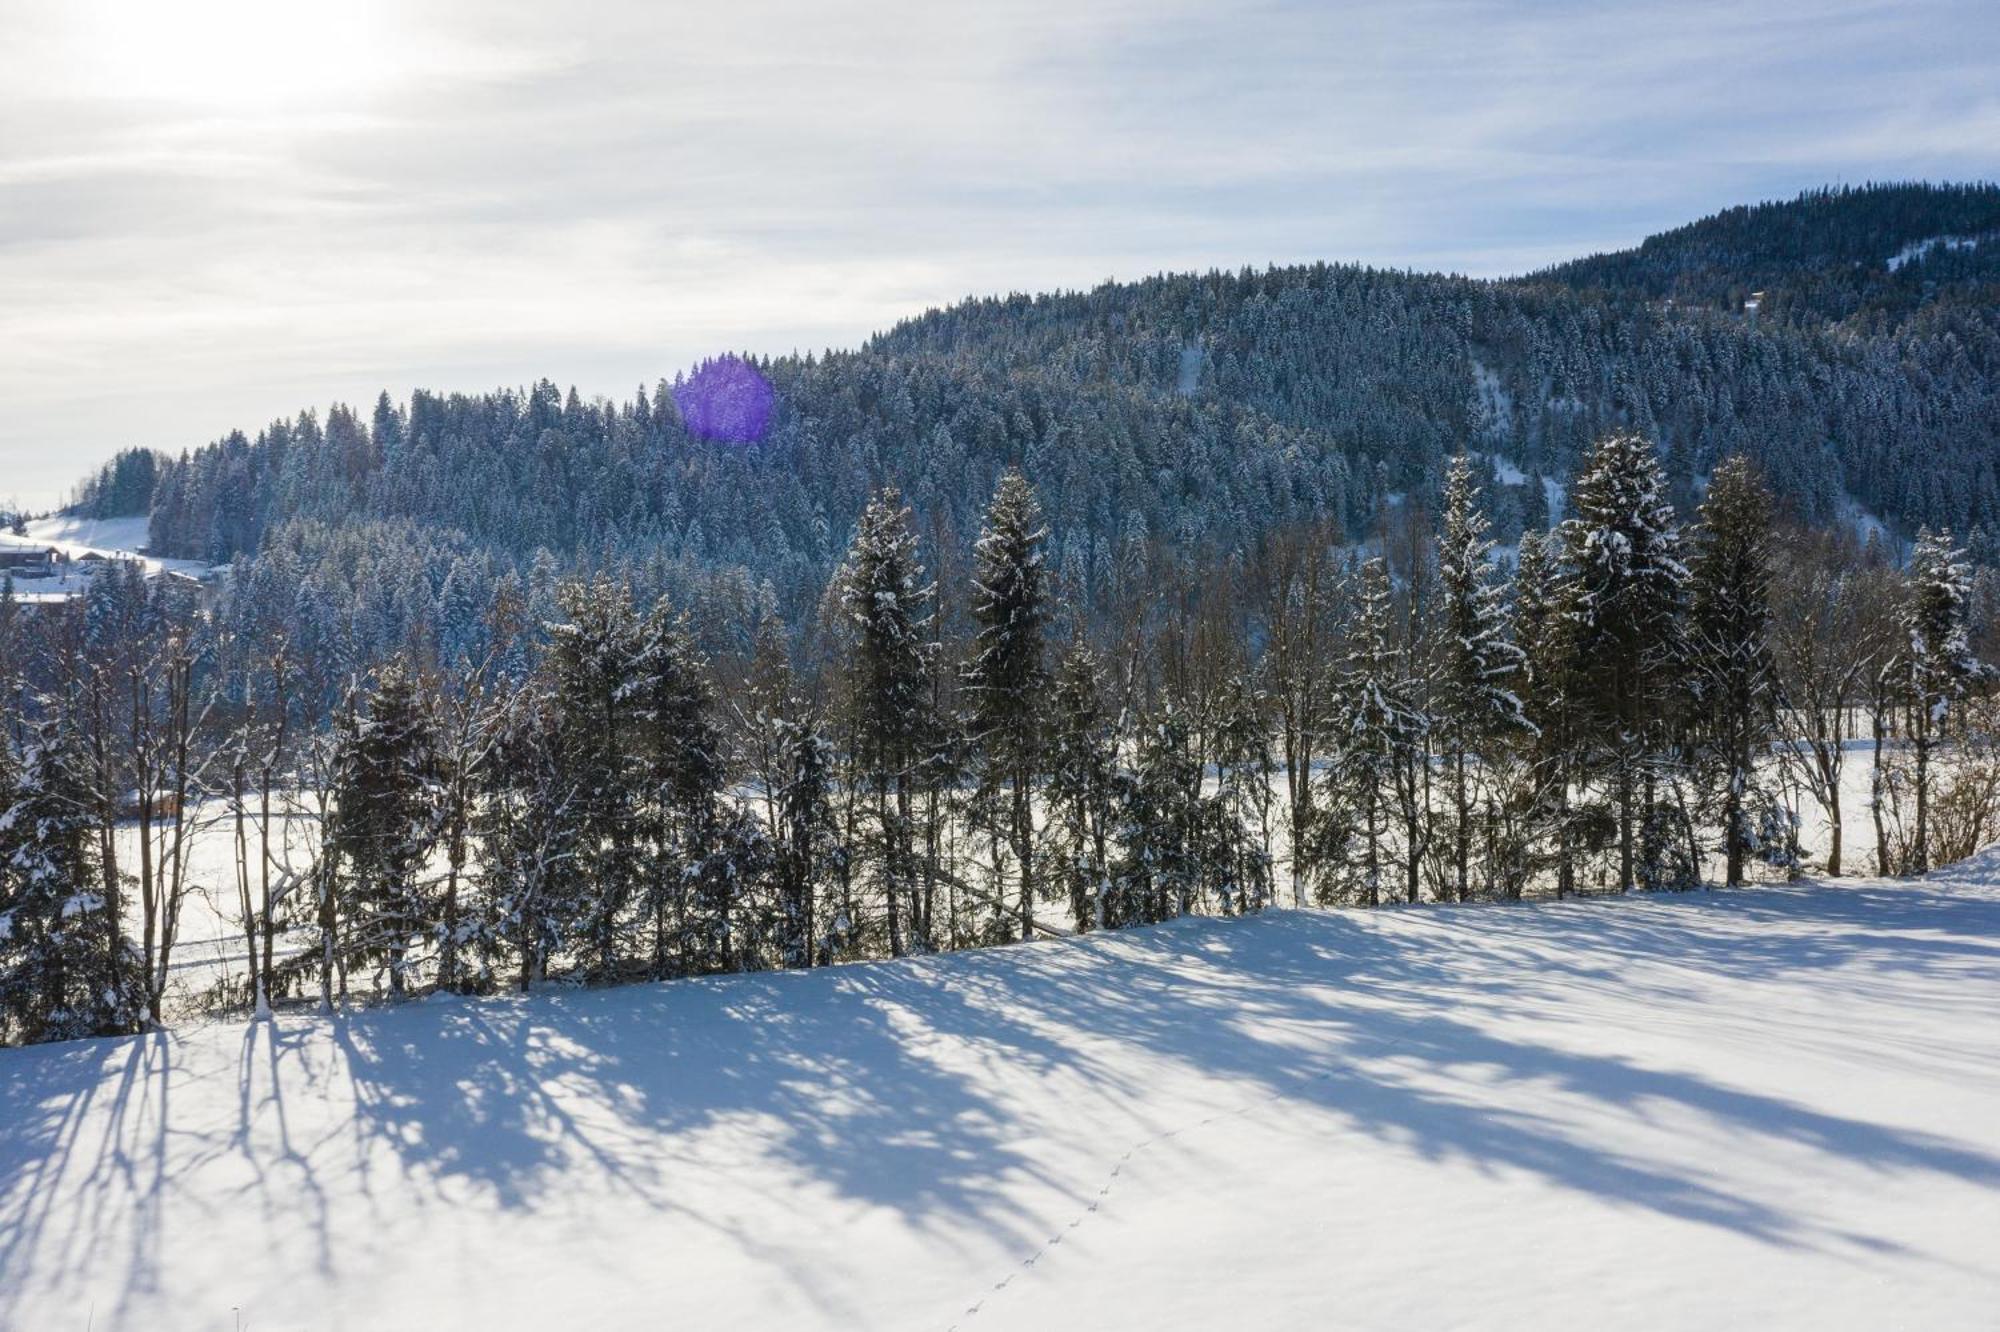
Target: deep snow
x,y
1771,1107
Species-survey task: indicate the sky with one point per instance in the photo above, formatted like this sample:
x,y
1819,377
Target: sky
x,y
217,212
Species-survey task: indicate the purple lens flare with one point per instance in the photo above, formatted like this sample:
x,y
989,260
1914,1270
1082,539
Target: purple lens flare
x,y
726,400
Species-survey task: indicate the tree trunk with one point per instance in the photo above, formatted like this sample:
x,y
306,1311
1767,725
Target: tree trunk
x,y
1024,833
889,865
1625,879
1565,865
249,911
1921,853
1875,791
1462,818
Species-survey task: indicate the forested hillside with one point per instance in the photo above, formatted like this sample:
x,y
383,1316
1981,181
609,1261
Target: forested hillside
x,y
1872,256
506,689
1194,415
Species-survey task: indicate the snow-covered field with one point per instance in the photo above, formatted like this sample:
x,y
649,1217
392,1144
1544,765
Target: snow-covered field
x,y
1765,1108
77,537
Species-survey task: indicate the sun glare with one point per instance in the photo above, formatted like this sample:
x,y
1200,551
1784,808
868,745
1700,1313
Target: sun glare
x,y
231,55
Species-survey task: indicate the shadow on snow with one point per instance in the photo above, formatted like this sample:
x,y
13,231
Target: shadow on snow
x,y
867,1081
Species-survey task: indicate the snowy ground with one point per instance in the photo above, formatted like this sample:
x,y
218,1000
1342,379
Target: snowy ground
x,y
1773,1107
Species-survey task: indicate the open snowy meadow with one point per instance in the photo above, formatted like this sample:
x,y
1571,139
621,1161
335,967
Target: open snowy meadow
x,y
1771,1107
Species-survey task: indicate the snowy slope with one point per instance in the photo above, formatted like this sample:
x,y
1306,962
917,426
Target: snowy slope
x,y
121,538
78,536
1918,249
1774,1107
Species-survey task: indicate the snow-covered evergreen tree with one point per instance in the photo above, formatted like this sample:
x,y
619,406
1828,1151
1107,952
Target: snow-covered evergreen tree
x,y
1623,549
1937,660
1241,806
682,768
591,666
1006,674
885,607
1082,787
1372,723
530,834
1546,633
1473,698
64,971
384,796
809,845
1159,871
1731,677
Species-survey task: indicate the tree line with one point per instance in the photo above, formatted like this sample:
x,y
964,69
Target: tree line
x,y
1181,421
951,750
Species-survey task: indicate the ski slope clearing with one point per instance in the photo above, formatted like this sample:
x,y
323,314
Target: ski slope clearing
x,y
1772,1107
113,538
85,540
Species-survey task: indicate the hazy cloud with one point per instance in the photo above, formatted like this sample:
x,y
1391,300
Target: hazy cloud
x,y
219,211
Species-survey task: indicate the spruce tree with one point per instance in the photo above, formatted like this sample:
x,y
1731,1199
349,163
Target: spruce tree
x,y
1240,809
682,766
793,766
530,836
470,719
1005,677
1159,875
384,778
885,607
1630,593
1371,725
1937,660
1473,699
1082,787
1732,679
808,837
1546,631
64,971
591,664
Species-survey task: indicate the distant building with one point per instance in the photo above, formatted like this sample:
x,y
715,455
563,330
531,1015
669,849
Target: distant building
x,y
30,561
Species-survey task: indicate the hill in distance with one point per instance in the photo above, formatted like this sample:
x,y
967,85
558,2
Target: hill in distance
x,y
1177,422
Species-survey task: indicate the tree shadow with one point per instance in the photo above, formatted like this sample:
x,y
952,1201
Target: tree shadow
x,y
882,1084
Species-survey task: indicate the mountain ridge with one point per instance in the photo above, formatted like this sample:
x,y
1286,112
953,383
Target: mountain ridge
x,y
1179,421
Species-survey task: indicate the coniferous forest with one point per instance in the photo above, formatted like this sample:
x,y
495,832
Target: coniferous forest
x,y
1041,616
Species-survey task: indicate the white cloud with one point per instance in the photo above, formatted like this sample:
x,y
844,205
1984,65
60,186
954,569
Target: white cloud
x,y
214,220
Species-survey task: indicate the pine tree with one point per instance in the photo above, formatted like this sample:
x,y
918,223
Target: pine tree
x,y
1371,725
1732,679
591,663
1082,788
1546,631
1159,875
808,836
1624,548
530,836
1006,675
791,763
471,720
64,971
885,608
1241,805
384,782
683,768
1937,660
1474,702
